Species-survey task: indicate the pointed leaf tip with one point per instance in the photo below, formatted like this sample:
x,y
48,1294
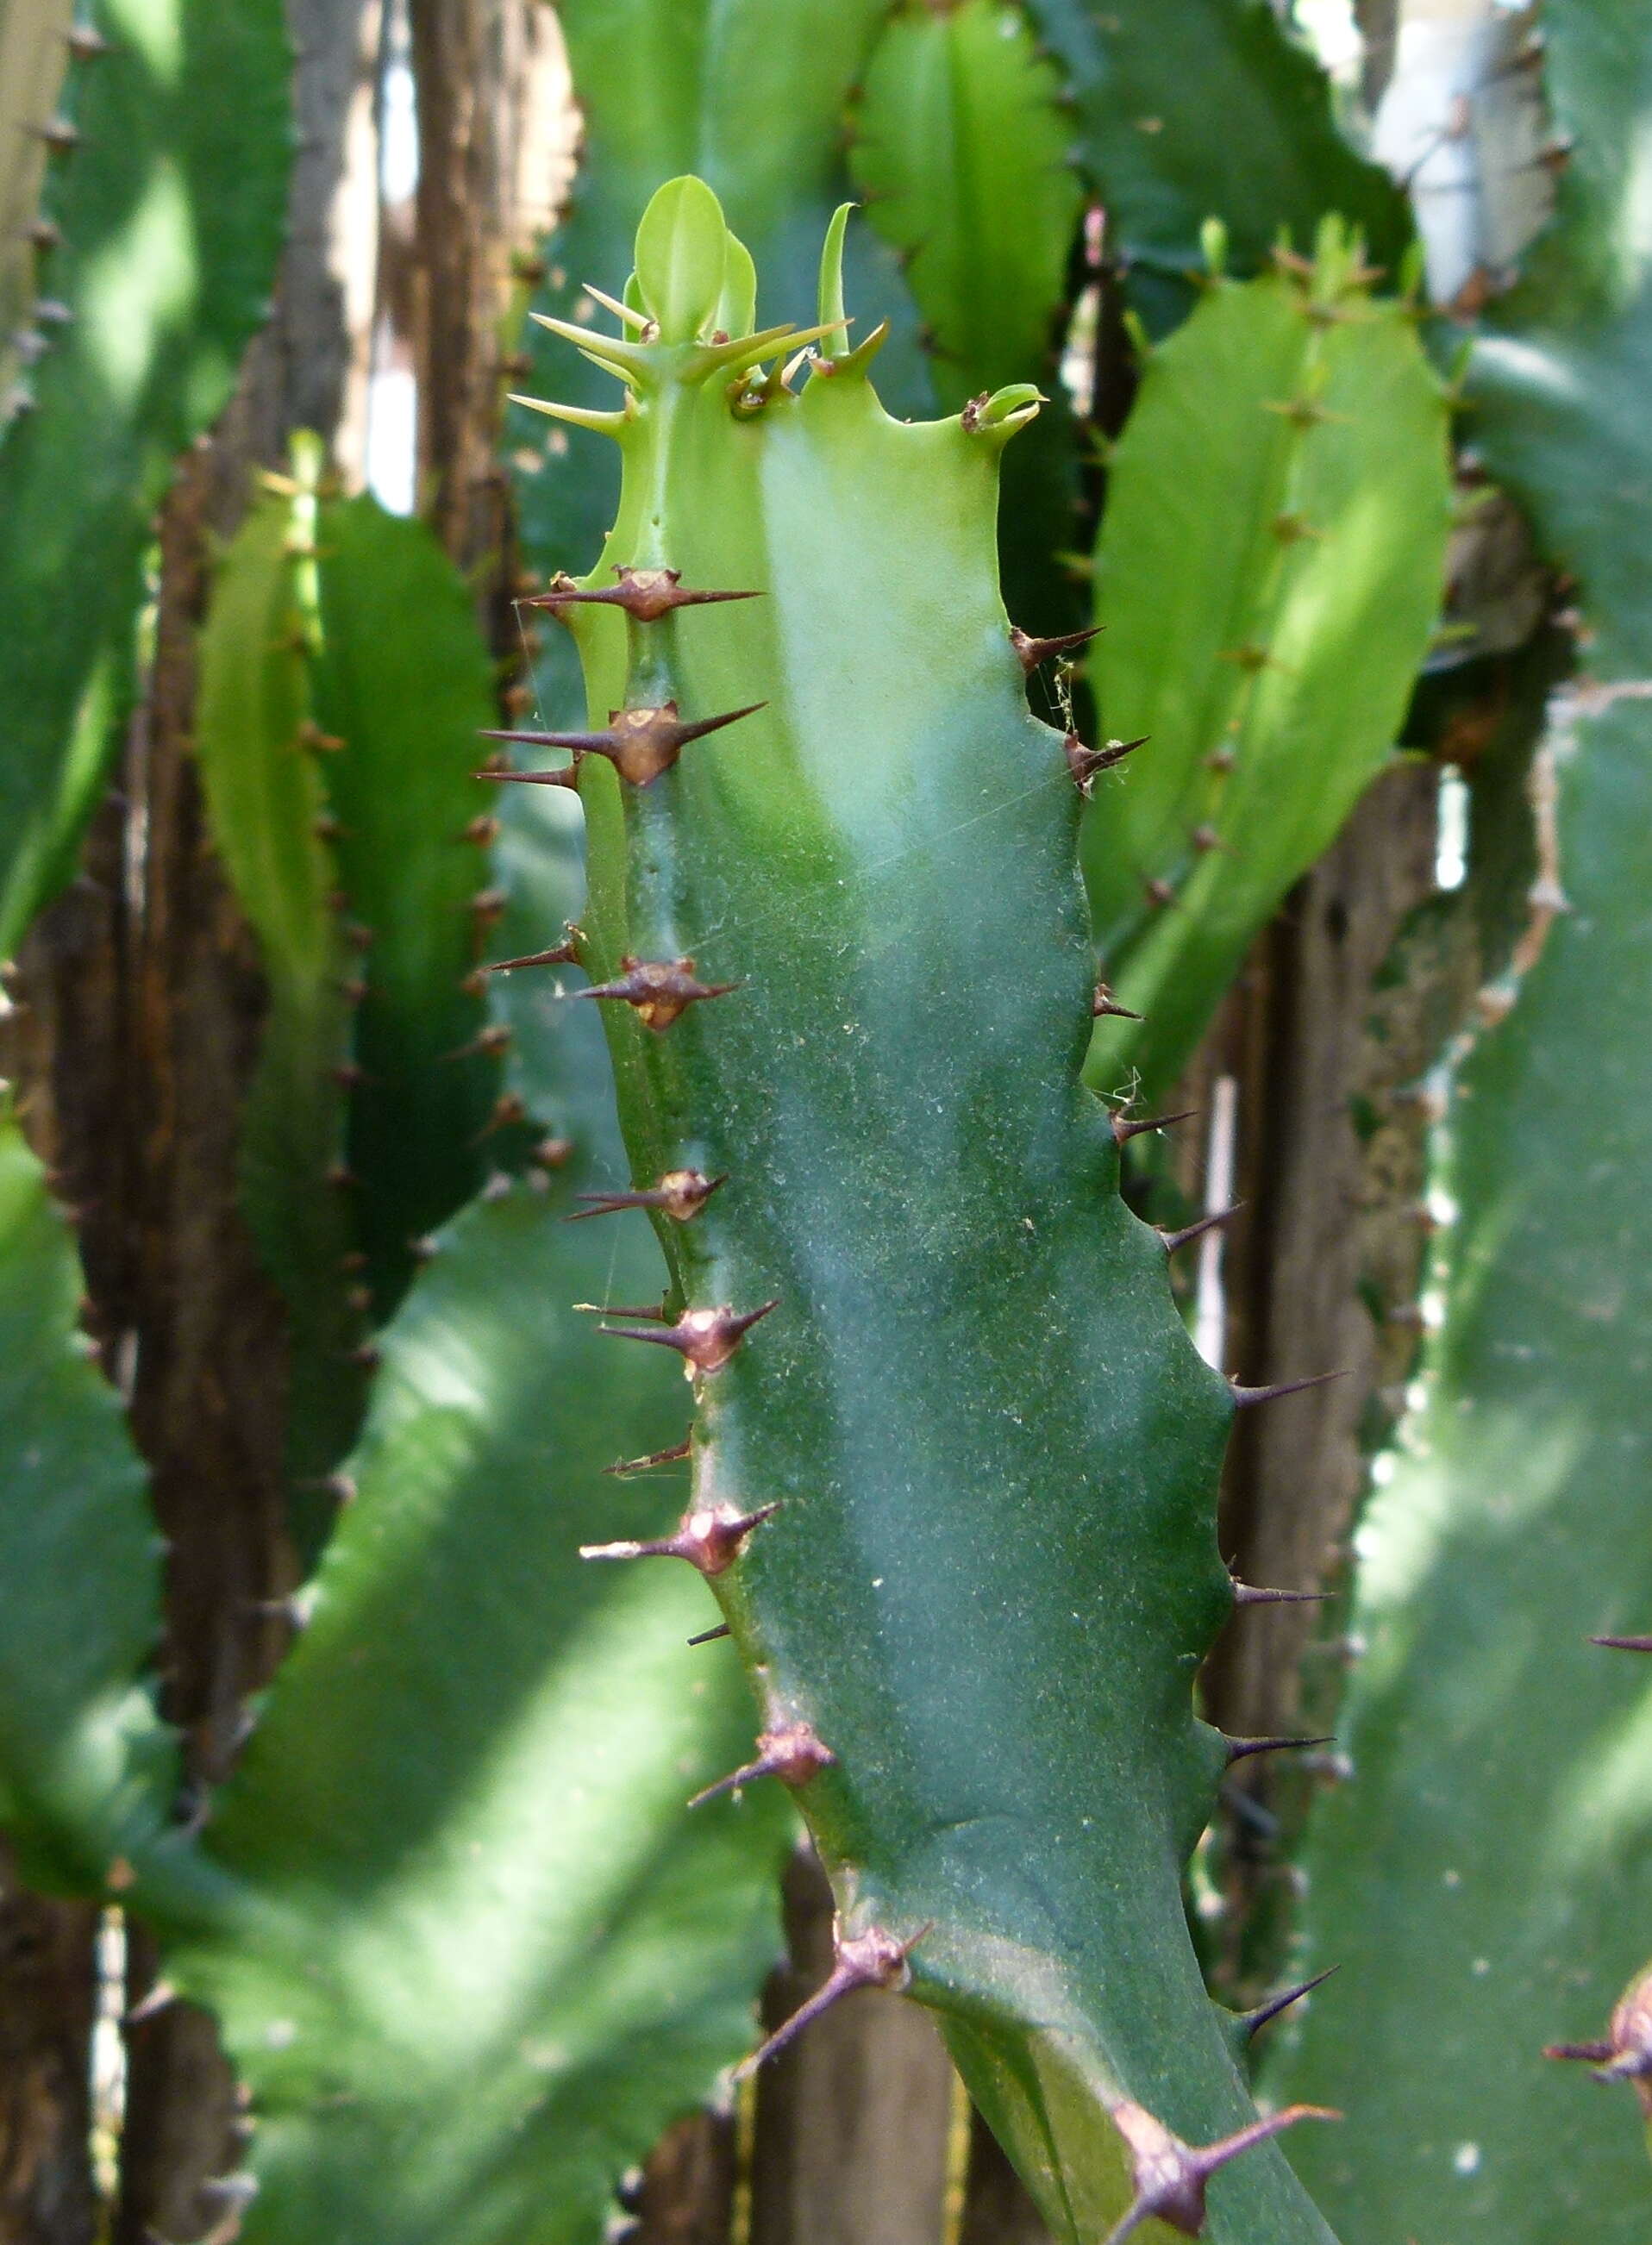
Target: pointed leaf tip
x,y
682,252
829,313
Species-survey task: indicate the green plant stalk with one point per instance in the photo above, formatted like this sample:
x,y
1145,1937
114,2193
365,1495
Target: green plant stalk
x,y
1268,574
981,1445
962,156
401,685
964,159
34,58
267,812
462,1948
664,86
167,194
86,1767
1186,110
1511,1532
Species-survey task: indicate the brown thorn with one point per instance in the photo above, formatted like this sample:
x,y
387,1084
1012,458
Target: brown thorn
x,y
495,1038
660,1315
706,1636
1244,1397
1242,1749
1624,1644
645,595
873,1959
1034,652
569,776
1159,894
1248,1594
639,743
561,954
659,989
1087,765
1124,1129
1190,1232
708,1537
1104,1005
681,1193
1170,2176
705,1338
1626,2055
673,1456
792,1752
1255,2021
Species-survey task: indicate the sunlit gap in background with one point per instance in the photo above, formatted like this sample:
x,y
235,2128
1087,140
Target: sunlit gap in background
x,y
392,386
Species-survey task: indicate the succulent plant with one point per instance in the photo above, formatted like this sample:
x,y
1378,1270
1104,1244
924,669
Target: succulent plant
x,y
487,1901
948,1436
85,1765
1511,1530
1269,578
157,234
343,684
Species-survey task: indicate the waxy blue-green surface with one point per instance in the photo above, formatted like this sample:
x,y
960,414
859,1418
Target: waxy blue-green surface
x,y
994,1571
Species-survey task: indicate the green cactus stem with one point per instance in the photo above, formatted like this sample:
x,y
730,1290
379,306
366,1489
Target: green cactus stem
x,y
270,823
466,1954
87,1769
343,683
664,84
1487,1873
34,58
401,682
963,155
1270,572
165,200
949,1440
1186,109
